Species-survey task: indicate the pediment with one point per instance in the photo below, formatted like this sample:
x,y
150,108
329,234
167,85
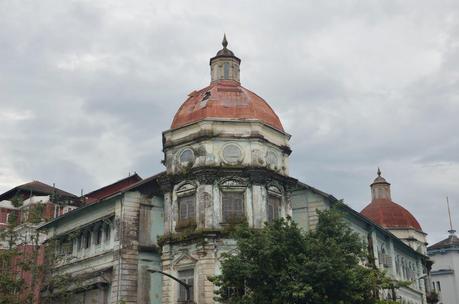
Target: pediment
x,y
184,260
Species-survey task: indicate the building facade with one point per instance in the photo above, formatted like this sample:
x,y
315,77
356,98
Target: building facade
x,y
227,161
23,210
445,258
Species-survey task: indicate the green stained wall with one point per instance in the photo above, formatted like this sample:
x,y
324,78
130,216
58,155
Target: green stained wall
x,y
150,284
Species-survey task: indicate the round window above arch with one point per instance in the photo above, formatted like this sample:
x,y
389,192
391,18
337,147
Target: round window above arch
x,y
186,157
232,154
272,159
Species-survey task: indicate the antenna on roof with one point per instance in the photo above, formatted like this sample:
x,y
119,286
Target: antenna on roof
x,y
451,230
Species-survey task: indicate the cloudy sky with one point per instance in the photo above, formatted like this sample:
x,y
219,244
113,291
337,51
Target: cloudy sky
x,y
87,87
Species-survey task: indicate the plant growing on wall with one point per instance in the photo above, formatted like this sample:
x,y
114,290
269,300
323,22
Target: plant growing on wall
x,y
283,264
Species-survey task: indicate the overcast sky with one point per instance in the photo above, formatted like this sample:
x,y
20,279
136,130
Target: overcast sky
x,y
87,87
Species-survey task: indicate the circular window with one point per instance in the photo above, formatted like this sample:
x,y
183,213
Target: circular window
x,y
232,153
186,157
271,158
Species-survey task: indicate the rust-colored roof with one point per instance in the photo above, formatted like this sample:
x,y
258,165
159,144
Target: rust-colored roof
x,y
390,215
225,99
111,189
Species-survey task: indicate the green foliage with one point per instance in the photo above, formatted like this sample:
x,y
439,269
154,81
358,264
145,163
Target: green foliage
x,y
10,282
282,264
432,298
36,213
19,258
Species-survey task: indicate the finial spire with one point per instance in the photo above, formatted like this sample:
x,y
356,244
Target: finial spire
x,y
379,172
224,42
451,230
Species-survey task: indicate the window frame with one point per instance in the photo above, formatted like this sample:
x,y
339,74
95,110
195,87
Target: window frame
x,y
107,228
187,201
276,208
99,235
185,190
237,217
87,240
181,291
228,160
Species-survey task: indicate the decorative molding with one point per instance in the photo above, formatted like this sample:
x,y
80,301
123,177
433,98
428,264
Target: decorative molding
x,y
183,261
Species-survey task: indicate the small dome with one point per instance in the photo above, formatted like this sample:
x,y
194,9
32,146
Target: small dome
x,y
379,179
225,52
388,214
225,99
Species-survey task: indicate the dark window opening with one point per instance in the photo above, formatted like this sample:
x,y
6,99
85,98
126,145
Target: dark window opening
x,y
233,206
87,240
99,234
186,276
272,207
79,242
206,96
107,233
226,70
187,207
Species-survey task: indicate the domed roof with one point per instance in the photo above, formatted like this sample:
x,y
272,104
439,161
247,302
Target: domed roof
x,y
388,214
225,99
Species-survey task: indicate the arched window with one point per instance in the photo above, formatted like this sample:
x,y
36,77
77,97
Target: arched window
x,y
186,205
232,193
87,239
273,203
99,235
107,232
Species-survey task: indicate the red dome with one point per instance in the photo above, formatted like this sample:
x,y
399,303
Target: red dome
x,y
390,215
225,99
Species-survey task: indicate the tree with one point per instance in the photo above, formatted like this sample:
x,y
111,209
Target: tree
x,y
27,265
282,264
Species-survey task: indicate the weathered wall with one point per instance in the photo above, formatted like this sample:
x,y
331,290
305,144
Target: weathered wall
x,y
124,286
260,146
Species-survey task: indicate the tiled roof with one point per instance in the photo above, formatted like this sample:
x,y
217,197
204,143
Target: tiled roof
x,y
111,189
388,214
225,99
451,242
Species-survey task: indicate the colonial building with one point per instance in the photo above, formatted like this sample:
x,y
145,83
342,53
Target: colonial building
x,y
445,269
26,207
392,216
226,157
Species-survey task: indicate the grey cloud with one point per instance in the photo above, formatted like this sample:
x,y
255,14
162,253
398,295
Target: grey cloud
x,y
358,84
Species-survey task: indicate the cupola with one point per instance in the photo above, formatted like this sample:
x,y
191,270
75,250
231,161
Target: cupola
x,y
225,65
383,211
392,216
225,98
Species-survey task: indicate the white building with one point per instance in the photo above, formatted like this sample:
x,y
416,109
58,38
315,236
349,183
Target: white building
x,y
445,256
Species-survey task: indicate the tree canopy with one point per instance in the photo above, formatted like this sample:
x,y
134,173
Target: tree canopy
x,y
283,264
